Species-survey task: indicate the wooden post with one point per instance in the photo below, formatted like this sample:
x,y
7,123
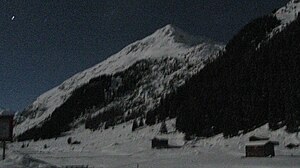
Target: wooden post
x,y
6,130
4,146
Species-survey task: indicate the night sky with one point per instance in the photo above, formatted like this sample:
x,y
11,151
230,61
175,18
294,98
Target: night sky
x,y
44,42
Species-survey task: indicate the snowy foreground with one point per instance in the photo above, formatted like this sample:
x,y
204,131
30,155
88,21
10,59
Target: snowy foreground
x,y
119,147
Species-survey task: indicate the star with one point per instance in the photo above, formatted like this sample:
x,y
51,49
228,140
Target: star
x,y
13,18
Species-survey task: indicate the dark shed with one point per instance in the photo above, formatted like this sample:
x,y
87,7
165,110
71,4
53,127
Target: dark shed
x,y
260,149
159,143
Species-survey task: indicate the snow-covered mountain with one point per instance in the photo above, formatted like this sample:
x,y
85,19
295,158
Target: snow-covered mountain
x,y
129,83
132,82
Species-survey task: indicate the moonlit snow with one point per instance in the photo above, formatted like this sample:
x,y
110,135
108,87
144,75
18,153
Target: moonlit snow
x,y
119,147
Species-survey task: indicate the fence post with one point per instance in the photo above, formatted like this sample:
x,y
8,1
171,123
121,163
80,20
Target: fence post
x,y
4,146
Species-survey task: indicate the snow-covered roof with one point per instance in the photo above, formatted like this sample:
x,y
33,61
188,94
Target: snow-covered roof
x,y
259,137
257,143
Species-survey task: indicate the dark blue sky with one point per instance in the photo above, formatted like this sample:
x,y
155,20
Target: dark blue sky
x,y
50,40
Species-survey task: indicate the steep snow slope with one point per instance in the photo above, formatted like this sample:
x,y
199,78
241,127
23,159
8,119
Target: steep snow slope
x,y
169,43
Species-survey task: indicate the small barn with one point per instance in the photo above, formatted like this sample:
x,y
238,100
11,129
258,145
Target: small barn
x,y
260,149
160,143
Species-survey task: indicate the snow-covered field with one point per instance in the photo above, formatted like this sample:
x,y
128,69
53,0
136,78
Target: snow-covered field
x,y
119,147
15,159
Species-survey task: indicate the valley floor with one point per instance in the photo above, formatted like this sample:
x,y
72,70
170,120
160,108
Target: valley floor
x,y
121,148
170,158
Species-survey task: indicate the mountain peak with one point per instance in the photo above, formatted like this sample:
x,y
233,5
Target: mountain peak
x,y
170,30
174,34
166,37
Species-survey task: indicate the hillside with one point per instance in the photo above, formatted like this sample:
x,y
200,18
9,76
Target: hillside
x,y
125,86
255,81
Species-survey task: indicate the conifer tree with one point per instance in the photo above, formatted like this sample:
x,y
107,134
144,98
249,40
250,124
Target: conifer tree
x,y
163,128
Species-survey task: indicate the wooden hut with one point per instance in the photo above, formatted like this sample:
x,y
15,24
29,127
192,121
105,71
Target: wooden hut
x,y
260,149
159,143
